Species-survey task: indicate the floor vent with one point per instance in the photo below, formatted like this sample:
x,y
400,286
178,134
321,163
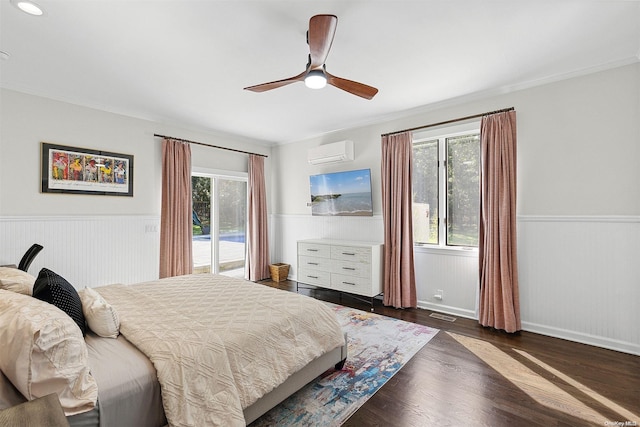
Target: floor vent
x,y
443,317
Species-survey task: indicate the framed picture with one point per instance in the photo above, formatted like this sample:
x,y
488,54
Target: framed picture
x,y
84,171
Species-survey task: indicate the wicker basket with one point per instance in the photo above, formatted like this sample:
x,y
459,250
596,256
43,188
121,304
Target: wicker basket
x,y
279,271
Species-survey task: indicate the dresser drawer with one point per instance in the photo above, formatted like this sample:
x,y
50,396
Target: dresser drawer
x,y
352,284
350,268
343,265
314,277
351,253
314,249
314,263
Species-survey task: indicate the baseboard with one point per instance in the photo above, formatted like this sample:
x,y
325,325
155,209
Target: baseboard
x,y
608,343
460,312
597,341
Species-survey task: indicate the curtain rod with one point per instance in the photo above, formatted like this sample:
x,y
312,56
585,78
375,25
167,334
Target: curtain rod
x,y
475,116
209,145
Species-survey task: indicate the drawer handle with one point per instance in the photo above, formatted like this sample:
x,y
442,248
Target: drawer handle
x,y
312,277
312,263
348,283
348,253
312,250
348,268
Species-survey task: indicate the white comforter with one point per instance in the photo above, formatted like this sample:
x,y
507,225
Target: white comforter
x,y
218,343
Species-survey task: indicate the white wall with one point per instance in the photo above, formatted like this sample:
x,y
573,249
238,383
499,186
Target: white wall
x,y
577,146
578,206
578,200
91,240
27,121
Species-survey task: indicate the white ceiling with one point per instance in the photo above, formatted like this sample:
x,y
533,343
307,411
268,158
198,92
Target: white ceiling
x,y
187,62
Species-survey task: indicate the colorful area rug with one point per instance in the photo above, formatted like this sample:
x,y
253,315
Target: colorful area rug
x,y
378,347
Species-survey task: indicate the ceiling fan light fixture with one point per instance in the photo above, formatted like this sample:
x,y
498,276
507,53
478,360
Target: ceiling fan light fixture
x,y
315,79
320,35
29,7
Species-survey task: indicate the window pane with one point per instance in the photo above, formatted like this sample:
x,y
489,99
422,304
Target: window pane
x,y
201,244
219,241
463,190
425,192
232,210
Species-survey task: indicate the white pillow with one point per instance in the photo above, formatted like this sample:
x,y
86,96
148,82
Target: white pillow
x,y
101,317
42,351
12,279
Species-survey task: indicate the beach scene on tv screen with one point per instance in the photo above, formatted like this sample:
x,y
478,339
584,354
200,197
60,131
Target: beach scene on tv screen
x,y
341,193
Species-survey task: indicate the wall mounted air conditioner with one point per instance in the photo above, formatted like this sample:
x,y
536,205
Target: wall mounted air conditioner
x,y
340,151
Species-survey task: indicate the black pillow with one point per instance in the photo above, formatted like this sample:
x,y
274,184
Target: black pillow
x,y
54,289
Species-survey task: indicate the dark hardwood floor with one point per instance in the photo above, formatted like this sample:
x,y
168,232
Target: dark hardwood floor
x,y
471,375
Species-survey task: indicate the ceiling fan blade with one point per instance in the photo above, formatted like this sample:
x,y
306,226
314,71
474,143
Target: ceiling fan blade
x,y
355,88
322,28
278,83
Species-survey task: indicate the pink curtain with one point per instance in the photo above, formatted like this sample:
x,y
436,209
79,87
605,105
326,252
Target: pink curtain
x,y
176,256
257,264
399,275
499,297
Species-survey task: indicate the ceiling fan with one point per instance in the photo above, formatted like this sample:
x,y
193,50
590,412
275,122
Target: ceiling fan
x,y
322,28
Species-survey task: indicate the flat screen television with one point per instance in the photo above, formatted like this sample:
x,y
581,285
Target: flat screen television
x,y
342,193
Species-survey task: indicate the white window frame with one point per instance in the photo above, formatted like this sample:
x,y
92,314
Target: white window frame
x,y
441,134
214,215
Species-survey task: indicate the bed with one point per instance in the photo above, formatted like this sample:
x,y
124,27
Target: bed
x,y
190,350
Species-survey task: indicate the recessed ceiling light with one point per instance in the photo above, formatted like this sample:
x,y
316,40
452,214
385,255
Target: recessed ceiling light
x,y
29,7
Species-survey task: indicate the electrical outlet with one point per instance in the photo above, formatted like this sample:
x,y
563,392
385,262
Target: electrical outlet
x,y
151,228
439,295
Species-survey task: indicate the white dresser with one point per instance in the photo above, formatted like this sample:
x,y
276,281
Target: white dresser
x,y
342,265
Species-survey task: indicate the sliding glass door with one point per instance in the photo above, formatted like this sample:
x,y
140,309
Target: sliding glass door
x,y
219,223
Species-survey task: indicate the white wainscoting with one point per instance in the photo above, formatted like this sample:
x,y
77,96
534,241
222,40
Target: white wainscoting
x,y
454,272
86,250
580,279
579,276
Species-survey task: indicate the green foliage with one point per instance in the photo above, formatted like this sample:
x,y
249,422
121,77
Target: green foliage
x,y
462,186
232,208
463,190
201,188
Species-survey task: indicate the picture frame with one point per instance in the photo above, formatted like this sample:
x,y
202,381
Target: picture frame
x,y
66,169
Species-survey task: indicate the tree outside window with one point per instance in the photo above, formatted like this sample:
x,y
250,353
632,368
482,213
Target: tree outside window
x,y
446,190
